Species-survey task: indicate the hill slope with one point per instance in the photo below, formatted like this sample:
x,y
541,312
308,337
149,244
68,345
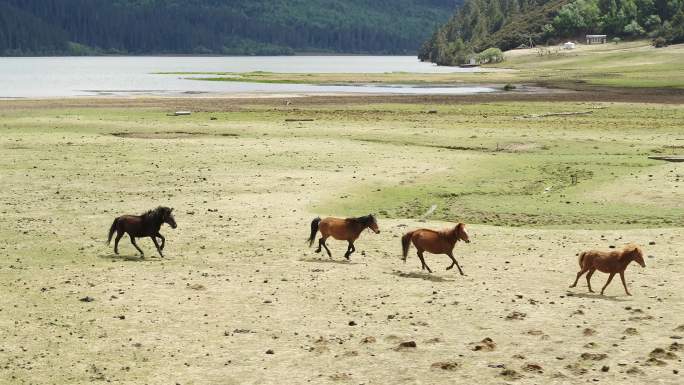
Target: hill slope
x,y
505,24
218,26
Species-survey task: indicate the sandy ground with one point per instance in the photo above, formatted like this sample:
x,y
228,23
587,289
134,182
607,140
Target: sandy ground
x,y
240,299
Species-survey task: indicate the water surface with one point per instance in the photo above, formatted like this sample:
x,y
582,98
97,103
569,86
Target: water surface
x,y
135,75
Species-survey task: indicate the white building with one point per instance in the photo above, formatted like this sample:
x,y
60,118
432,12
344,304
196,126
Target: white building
x,y
597,39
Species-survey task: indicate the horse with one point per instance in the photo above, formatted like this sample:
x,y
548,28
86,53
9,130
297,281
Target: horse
x,y
145,225
343,229
609,262
435,242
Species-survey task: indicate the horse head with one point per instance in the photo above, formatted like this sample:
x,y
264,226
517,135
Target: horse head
x,y
168,217
461,233
636,254
372,223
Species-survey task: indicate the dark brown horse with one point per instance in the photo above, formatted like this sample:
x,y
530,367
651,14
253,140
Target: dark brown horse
x,y
343,229
435,242
146,225
611,262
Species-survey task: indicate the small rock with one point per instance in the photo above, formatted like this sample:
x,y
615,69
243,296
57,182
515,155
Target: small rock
x,y
407,344
368,340
605,368
446,365
516,315
533,368
87,299
270,351
352,323
593,356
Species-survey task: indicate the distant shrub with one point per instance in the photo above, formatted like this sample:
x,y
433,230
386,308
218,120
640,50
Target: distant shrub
x,y
616,40
509,87
659,42
490,55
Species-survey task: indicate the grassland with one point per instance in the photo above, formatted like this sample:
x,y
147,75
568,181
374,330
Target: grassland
x,y
238,280
631,64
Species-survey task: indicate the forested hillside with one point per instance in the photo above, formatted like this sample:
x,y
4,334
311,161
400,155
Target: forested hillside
x,y
33,27
506,24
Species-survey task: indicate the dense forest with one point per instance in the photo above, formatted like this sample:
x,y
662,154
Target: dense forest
x,y
257,27
506,24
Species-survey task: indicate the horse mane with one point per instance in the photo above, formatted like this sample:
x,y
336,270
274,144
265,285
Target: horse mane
x,y
365,220
630,250
156,213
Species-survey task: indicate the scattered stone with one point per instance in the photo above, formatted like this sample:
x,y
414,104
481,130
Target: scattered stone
x,y
655,362
676,346
340,376
651,243
593,356
510,374
533,368
605,368
87,299
631,331
407,345
589,332
486,345
197,286
679,328
270,351
660,353
516,315
368,340
446,365
352,323
635,371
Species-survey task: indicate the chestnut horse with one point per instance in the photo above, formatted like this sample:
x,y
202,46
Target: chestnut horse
x,y
146,225
343,229
435,242
609,262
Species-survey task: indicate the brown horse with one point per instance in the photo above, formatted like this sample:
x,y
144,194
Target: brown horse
x,y
347,229
609,262
146,225
435,242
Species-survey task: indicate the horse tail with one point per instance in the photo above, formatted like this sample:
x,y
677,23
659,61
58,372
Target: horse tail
x,y
314,230
406,243
581,258
112,229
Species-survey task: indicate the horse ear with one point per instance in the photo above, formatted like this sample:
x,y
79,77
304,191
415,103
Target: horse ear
x,y
171,209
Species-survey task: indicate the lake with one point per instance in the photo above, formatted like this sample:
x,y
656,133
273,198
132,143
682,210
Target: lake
x,y
30,77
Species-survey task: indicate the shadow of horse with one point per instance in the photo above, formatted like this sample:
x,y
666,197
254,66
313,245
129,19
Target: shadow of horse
x,y
597,296
421,275
118,257
324,260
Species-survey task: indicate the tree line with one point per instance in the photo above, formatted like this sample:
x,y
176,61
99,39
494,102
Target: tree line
x,y
217,26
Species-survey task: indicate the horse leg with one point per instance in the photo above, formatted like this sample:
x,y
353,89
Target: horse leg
x,y
322,243
350,250
454,261
163,241
116,241
579,274
422,260
142,255
591,272
610,278
622,277
157,246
